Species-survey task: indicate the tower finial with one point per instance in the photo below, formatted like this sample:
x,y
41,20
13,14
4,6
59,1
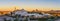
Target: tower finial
x,y
15,7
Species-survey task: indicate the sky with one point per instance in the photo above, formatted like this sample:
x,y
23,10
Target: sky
x,y
30,4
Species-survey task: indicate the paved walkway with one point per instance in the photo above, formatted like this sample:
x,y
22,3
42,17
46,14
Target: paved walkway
x,y
58,19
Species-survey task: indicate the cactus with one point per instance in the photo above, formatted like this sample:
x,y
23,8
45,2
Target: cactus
x,y
17,18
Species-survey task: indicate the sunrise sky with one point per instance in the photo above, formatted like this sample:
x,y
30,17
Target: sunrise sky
x,y
30,4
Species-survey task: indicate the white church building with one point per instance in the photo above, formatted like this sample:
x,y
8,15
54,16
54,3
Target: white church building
x,y
20,12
